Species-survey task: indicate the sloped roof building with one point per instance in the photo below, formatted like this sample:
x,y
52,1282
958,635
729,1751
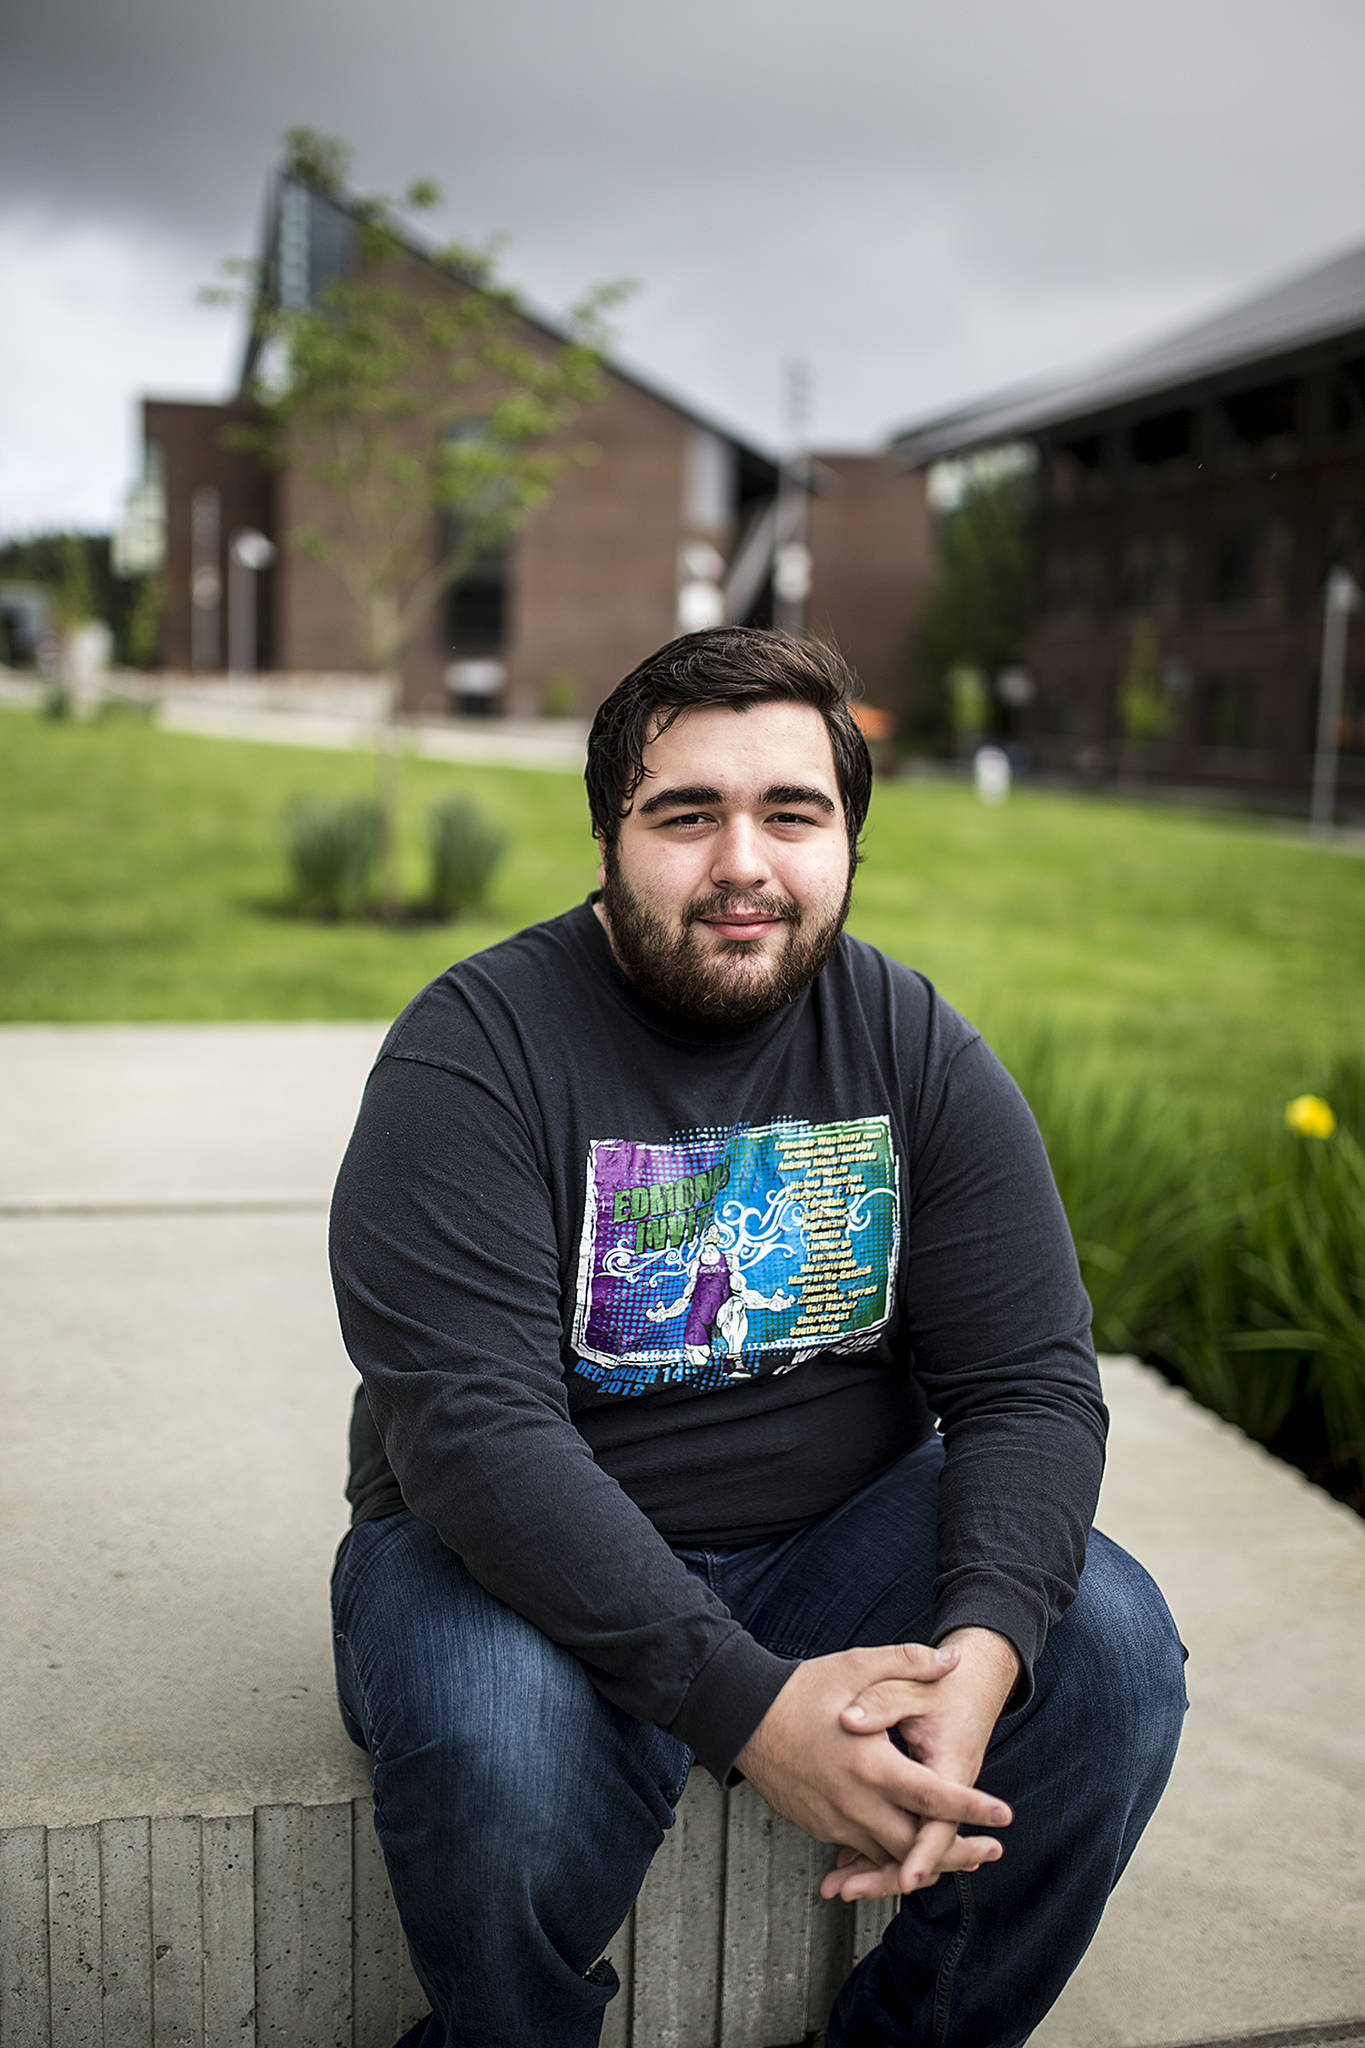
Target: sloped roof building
x,y
1196,492
606,570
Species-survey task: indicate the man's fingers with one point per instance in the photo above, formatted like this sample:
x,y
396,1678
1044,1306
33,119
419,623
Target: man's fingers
x,y
898,1685
901,1805
852,1869
924,1793
875,1670
864,1877
886,1704
939,1847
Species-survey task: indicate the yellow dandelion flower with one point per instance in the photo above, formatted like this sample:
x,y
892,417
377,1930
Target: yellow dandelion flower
x,y
1308,1116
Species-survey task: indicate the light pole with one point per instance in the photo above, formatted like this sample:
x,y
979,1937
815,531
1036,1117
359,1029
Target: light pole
x,y
1340,599
248,553
791,555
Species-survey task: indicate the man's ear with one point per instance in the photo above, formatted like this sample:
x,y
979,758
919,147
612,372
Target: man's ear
x,y
601,860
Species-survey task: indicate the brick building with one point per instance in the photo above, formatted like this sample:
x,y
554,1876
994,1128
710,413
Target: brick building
x,y
1190,500
677,514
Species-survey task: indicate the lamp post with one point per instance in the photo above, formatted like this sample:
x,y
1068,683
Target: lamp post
x,y
791,554
1341,598
248,553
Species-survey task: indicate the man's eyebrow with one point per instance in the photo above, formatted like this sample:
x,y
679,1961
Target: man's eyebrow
x,y
797,793
686,797
692,794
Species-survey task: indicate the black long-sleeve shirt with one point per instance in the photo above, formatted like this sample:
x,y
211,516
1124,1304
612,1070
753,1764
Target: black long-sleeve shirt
x,y
615,1280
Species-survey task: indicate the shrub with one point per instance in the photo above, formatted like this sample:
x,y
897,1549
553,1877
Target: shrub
x,y
332,850
465,849
1303,1265
1233,1257
560,697
1141,1189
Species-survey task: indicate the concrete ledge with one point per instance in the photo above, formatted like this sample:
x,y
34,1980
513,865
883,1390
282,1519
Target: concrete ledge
x,y
245,1929
275,1929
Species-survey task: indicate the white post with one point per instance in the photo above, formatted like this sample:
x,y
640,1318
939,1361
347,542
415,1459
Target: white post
x,y
206,584
241,614
248,553
1340,599
791,555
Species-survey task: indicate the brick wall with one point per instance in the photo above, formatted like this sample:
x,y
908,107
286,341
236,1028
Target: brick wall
x,y
190,436
870,537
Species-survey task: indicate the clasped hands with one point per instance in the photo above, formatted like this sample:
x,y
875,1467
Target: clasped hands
x,y
823,1756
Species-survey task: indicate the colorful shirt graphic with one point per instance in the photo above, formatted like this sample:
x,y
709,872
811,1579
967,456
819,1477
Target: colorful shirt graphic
x,y
730,1253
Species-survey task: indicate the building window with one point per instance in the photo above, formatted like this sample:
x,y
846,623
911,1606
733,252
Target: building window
x,y
1344,549
1071,581
476,610
1165,437
1225,712
1138,576
1150,573
1262,414
1351,726
1059,711
1346,397
477,604
709,480
1234,572
1086,450
313,246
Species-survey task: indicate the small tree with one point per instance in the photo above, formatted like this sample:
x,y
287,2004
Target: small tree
x,y
142,628
1145,710
976,609
411,391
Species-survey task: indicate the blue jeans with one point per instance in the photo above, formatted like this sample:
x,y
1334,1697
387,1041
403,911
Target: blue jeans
x,y
518,1810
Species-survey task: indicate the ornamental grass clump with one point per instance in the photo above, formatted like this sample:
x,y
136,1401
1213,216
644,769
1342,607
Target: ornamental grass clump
x,y
1268,1325
333,850
1303,1267
465,848
1232,1255
1140,1187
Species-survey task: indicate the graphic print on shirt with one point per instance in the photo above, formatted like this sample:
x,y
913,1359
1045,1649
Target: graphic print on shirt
x,y
730,1253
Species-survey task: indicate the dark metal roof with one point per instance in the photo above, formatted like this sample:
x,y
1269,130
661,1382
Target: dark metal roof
x,y
1312,306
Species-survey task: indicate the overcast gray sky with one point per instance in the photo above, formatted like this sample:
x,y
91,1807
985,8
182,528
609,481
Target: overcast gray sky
x,y
924,202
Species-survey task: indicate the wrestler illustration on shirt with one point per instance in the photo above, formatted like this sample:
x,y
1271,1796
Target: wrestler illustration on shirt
x,y
716,1304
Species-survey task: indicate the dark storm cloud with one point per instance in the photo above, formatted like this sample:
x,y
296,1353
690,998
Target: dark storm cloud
x,y
1052,135
923,200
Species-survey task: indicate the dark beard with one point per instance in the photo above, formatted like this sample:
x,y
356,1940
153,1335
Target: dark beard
x,y
675,973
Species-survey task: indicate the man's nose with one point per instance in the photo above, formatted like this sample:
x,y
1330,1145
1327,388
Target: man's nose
x,y
739,857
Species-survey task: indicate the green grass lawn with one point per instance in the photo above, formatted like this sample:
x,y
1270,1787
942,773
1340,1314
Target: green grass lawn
x,y
141,877
1219,957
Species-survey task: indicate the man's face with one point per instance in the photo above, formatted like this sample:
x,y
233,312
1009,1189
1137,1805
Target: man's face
x,y
730,878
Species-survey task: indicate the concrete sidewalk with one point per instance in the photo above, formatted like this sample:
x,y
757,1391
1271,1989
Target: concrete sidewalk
x,y
172,1471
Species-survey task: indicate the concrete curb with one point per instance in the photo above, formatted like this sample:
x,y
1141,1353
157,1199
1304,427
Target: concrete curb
x,y
267,1927
1349,2034
276,1929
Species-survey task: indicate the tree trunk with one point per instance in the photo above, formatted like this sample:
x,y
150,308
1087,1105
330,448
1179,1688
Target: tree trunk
x,y
383,624
390,792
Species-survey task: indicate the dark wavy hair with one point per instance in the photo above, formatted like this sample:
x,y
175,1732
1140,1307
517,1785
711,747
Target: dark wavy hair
x,y
734,665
